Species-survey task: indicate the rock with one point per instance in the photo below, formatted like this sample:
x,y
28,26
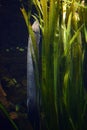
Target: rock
x,y
2,92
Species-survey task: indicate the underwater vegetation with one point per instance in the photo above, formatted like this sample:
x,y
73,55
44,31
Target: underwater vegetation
x,y
4,117
60,75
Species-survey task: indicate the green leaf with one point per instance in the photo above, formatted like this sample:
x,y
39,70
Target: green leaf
x,y
2,108
75,35
85,32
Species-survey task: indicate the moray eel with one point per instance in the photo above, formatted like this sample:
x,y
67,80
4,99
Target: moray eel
x,y
32,103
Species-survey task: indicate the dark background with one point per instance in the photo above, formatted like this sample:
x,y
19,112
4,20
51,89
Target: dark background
x,y
13,30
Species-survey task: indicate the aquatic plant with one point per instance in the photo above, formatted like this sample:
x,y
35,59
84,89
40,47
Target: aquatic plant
x,y
60,79
6,115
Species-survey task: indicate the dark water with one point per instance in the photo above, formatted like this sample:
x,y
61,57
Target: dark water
x,y
13,40
13,30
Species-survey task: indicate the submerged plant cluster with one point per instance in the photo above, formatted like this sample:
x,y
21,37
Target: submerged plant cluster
x,y
64,37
